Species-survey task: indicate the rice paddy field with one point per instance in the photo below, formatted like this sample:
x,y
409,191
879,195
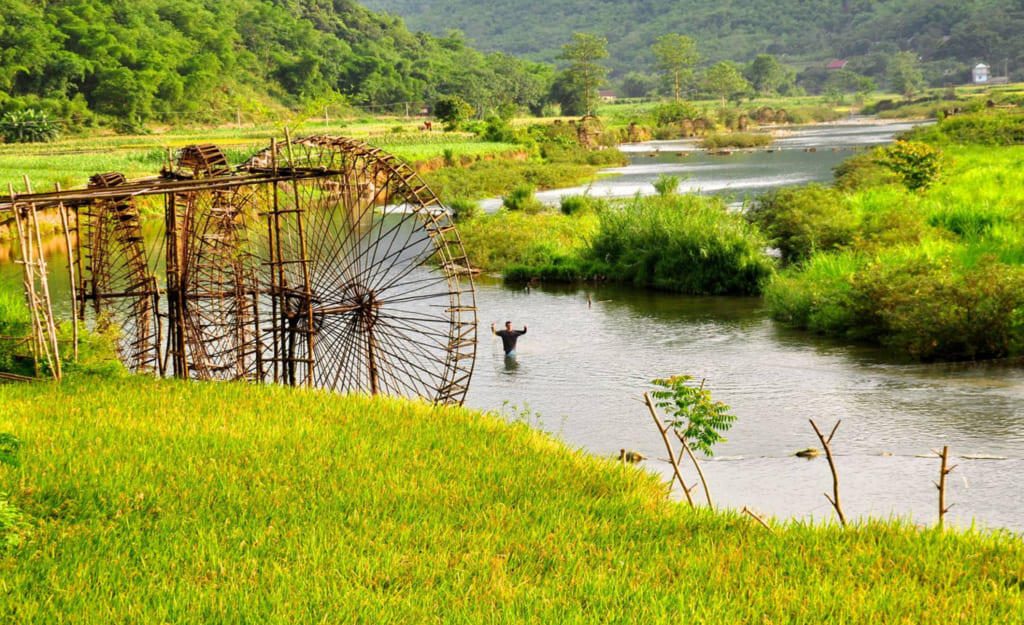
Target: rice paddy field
x,y
69,162
140,500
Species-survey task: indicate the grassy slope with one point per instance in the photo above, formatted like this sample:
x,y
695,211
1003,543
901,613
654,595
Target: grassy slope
x,y
161,501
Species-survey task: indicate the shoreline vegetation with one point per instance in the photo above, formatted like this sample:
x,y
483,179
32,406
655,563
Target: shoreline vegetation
x,y
139,499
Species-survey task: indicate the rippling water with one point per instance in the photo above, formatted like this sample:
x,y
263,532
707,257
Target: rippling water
x,y
584,368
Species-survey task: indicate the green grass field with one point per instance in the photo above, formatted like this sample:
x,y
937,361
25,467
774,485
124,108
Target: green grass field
x,y
150,501
69,162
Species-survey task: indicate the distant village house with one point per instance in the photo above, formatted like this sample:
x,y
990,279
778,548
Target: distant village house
x,y
606,95
837,64
979,74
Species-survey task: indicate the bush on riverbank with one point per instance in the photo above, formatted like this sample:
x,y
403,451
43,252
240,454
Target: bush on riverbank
x,y
932,275
684,243
689,244
744,140
165,501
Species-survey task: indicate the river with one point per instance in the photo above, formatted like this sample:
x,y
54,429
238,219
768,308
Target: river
x,y
591,352
582,369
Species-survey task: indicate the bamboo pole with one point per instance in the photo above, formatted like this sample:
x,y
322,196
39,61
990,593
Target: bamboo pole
x,y
28,281
62,210
51,328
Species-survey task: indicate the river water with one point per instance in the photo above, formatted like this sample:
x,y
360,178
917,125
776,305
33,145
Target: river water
x,y
584,364
591,352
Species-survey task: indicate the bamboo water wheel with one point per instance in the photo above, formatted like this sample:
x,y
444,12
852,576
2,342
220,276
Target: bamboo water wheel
x,y
320,261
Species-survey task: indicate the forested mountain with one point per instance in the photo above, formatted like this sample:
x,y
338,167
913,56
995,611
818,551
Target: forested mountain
x,y
134,61
947,35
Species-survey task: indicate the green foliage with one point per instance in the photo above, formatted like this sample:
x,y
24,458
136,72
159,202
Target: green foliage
x,y
27,126
800,221
668,113
684,243
904,74
585,74
692,411
677,55
666,184
918,165
725,81
9,447
463,209
974,129
719,140
510,239
930,309
578,204
12,524
862,171
521,198
453,111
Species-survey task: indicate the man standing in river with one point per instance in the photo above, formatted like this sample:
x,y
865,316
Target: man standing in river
x,y
509,337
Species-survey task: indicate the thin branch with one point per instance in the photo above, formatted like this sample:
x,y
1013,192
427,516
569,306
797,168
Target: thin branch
x,y
689,452
758,518
668,445
826,443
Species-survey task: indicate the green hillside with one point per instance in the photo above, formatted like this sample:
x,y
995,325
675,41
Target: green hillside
x,y
948,35
90,62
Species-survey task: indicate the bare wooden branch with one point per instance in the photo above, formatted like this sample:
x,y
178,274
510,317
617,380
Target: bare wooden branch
x,y
668,445
944,470
693,458
827,444
758,518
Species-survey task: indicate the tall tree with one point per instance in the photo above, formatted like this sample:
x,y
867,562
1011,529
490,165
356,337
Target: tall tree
x,y
677,54
725,80
766,74
584,54
904,74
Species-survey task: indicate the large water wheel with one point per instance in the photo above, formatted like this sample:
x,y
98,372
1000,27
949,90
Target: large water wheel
x,y
320,261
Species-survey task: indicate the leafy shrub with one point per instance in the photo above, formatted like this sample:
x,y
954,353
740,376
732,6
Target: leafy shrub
x,y
27,126
736,140
688,244
932,309
521,198
862,171
918,303
463,209
802,220
577,204
669,113
498,130
666,184
917,164
985,128
453,111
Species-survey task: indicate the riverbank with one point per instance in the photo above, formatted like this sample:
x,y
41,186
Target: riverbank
x,y
280,505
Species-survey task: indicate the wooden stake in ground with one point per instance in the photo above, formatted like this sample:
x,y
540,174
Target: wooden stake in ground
x,y
941,485
827,444
62,211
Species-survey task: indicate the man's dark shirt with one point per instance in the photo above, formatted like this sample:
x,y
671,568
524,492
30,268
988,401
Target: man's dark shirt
x,y
509,338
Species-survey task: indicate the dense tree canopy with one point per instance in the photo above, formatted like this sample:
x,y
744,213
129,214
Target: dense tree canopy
x,y
133,61
949,36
